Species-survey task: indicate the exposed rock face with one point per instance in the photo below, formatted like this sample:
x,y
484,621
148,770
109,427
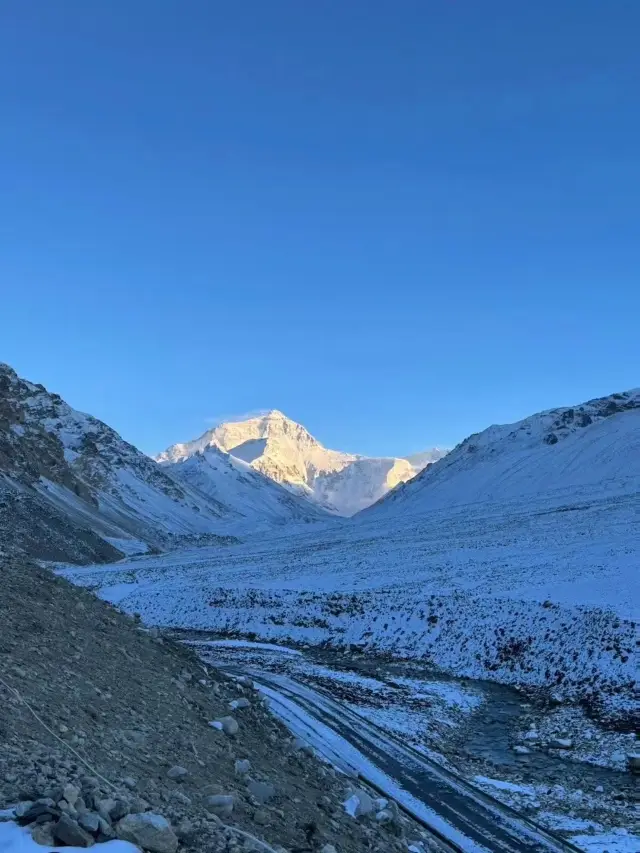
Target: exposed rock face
x,y
71,489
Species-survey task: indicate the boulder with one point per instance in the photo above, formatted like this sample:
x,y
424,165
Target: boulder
x,y
228,725
68,832
177,772
220,804
262,792
150,831
358,803
561,743
90,821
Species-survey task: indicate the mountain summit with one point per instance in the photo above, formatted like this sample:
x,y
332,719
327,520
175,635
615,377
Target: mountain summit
x,y
286,452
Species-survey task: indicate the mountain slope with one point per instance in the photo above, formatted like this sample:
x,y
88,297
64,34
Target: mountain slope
x,y
286,452
212,472
72,488
590,450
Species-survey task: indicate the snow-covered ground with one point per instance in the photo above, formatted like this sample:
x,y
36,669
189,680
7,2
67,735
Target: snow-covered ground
x,y
434,715
14,839
524,592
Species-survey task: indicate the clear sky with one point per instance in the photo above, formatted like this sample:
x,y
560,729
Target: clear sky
x,y
398,221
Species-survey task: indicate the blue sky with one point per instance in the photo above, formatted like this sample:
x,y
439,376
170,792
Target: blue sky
x,y
397,222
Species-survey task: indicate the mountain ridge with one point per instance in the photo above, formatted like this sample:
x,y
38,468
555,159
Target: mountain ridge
x,y
286,452
564,448
72,488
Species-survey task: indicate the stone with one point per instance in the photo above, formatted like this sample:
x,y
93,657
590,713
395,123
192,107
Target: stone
x,y
150,831
22,808
261,817
70,793
120,809
137,805
105,832
220,804
561,743
42,834
179,797
68,832
129,782
358,803
90,821
385,816
228,725
37,811
104,807
242,766
262,792
328,848
177,772
599,789
633,762
186,832
237,704
521,750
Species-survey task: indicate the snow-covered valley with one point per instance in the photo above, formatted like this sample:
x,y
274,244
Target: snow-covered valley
x,y
525,592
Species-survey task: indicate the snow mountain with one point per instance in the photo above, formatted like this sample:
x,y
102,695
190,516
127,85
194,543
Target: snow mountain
x,y
72,489
283,450
588,451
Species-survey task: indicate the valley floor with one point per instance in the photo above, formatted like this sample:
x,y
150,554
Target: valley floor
x,y
469,728
539,594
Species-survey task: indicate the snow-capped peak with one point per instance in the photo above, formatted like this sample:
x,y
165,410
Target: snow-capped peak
x,y
285,451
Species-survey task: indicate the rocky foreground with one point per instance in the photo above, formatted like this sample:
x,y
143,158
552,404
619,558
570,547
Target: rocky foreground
x,y
109,731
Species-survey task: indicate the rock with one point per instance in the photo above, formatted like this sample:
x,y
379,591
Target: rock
x,y
68,832
245,681
262,792
42,834
129,782
220,804
237,704
531,735
137,805
328,848
120,809
150,831
23,807
226,724
599,789
177,772
70,793
37,811
105,830
90,821
179,797
561,743
521,750
242,766
301,746
261,817
186,832
358,804
104,807
385,816
633,762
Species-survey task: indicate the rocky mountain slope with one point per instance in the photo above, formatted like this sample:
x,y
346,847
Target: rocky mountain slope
x,y
105,732
284,451
71,488
585,451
